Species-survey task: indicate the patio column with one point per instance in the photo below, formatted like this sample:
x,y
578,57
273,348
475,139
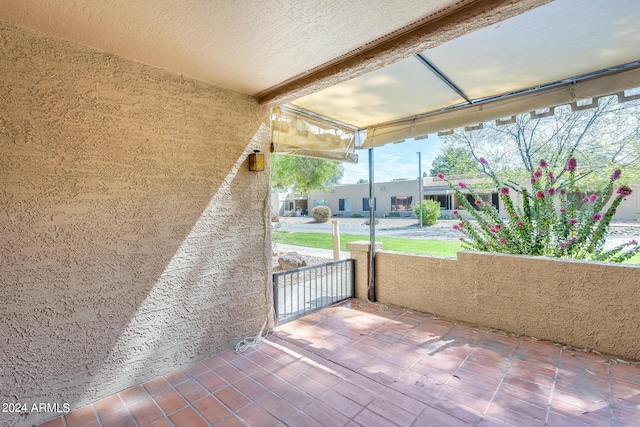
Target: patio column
x,y
361,252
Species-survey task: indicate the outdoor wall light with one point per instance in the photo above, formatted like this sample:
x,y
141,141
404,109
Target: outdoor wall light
x,y
256,161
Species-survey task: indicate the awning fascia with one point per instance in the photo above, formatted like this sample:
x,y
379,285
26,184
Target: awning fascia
x,y
569,92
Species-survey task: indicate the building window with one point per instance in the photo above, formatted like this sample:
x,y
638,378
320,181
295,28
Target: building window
x,y
322,202
443,199
401,203
365,204
344,205
492,198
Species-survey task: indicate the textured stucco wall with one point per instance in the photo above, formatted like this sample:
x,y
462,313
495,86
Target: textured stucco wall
x,y
584,304
126,207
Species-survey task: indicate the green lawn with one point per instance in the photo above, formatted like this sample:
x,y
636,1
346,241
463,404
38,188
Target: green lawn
x,y
325,241
416,246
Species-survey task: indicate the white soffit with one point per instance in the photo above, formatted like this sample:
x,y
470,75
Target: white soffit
x,y
245,45
554,42
392,92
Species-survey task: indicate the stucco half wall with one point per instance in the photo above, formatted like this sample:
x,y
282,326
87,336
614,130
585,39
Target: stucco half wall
x,y
584,304
133,238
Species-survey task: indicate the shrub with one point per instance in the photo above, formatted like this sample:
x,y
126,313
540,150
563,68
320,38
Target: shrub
x,y
430,211
537,226
394,214
321,213
356,215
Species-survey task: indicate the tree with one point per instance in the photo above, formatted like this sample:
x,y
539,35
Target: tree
x,y
362,181
304,174
602,138
454,160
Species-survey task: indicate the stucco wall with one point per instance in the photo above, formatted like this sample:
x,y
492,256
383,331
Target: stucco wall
x,y
584,304
125,211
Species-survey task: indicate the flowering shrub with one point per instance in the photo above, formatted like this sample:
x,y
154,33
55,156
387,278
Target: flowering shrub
x,y
548,219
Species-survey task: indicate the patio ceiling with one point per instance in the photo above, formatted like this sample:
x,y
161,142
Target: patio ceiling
x,y
397,69
562,52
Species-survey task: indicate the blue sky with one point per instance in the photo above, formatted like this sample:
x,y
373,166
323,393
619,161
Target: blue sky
x,y
393,161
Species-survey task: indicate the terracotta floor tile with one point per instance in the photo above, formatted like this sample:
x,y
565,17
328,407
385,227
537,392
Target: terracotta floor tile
x,y
108,405
391,412
325,415
301,419
365,365
440,418
255,416
156,385
526,408
231,397
187,417
211,409
191,390
177,377
80,416
169,401
250,388
345,406
211,381
120,418
456,410
146,412
276,406
196,369
369,418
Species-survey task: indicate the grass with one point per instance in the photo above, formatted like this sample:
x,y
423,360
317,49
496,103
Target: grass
x,y
325,241
417,246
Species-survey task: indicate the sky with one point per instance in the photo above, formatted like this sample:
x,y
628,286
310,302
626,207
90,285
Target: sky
x,y
393,161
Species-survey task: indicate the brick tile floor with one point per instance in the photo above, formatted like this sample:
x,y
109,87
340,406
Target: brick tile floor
x,y
367,365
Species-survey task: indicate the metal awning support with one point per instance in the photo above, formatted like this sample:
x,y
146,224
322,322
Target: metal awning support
x,y
372,232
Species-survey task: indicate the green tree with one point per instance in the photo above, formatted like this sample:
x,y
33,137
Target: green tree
x,y
304,174
454,160
601,138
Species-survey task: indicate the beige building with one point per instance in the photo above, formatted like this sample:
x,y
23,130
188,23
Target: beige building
x,y
401,195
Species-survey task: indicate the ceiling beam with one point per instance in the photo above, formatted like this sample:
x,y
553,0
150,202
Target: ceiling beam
x,y
471,16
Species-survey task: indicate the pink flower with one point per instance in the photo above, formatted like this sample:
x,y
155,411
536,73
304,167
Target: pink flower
x,y
462,185
504,191
538,174
563,191
563,210
498,227
572,164
551,191
502,241
493,229
615,175
520,224
593,198
455,212
573,221
441,175
533,180
596,217
483,161
461,239
552,177
543,163
456,227
478,202
486,203
461,225
540,194
564,245
634,242
624,191
585,199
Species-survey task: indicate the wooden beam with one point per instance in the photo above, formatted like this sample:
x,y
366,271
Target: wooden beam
x,y
467,16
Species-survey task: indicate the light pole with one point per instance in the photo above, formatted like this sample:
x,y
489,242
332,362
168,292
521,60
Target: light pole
x,y
420,186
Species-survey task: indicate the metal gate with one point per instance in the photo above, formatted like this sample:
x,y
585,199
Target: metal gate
x,y
304,290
